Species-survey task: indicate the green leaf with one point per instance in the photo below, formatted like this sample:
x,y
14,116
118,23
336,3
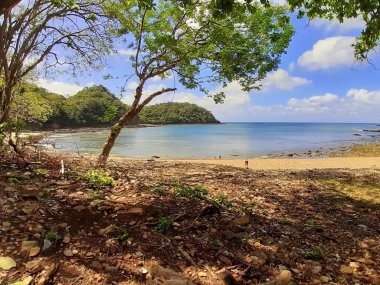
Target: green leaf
x,y
7,263
25,281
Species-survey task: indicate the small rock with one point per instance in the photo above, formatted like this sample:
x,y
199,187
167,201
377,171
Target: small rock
x,y
316,269
139,254
34,251
110,269
242,221
95,264
47,244
6,225
27,245
346,269
284,278
354,265
68,253
202,274
135,211
80,208
324,279
225,259
66,239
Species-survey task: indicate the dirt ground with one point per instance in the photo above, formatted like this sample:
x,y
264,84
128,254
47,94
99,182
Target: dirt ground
x,y
211,224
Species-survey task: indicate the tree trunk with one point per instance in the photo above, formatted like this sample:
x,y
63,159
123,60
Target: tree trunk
x,y
6,96
115,131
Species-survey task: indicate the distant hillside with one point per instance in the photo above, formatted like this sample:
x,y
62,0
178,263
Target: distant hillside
x,y
176,113
95,107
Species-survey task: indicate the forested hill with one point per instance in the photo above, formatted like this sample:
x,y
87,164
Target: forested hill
x,y
36,108
176,113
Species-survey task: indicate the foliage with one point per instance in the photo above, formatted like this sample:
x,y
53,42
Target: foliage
x,y
369,10
176,113
164,225
314,253
120,233
31,104
48,32
97,178
92,107
52,235
158,188
222,200
184,190
200,49
40,171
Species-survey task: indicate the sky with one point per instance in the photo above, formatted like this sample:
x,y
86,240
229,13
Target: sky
x,y
318,80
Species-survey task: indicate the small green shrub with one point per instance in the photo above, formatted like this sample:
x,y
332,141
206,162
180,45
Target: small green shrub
x,y
96,178
119,233
158,189
222,200
40,171
314,253
309,223
52,235
215,243
164,225
184,190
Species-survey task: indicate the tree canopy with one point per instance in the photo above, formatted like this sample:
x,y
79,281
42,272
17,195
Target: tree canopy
x,y
176,113
369,10
200,49
58,33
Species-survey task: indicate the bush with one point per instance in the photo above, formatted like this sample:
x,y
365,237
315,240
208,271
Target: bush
x,y
96,178
184,190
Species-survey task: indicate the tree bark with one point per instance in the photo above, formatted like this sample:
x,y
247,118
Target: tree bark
x,y
5,5
115,131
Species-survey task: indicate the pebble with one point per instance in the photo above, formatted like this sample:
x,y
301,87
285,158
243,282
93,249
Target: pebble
x,y
324,279
68,253
139,254
34,251
202,274
225,259
66,239
316,269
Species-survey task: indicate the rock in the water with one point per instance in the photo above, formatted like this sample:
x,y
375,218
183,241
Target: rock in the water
x,y
7,263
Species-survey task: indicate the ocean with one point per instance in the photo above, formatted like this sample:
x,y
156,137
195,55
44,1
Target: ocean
x,y
229,140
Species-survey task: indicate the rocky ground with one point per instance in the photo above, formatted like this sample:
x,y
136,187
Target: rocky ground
x,y
177,223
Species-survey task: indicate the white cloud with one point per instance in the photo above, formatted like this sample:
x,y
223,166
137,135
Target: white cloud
x,y
363,96
358,105
281,79
126,52
329,53
314,103
59,87
347,25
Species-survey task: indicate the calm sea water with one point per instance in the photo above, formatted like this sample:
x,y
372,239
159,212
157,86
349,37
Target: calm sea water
x,y
209,141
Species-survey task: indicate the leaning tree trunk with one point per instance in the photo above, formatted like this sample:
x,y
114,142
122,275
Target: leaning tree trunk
x,y
115,131
6,96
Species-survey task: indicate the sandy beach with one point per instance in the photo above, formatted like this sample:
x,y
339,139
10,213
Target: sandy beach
x,y
299,164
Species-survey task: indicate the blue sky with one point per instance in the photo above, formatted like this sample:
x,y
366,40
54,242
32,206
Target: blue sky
x,y
317,81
